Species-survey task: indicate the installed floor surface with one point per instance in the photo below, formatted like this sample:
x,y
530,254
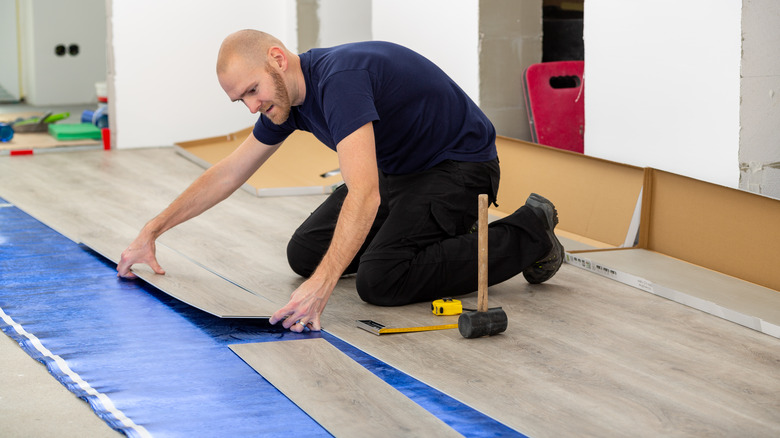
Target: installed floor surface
x,y
583,355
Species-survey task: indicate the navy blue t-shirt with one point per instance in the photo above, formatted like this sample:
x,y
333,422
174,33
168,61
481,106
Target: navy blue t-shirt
x,y
421,117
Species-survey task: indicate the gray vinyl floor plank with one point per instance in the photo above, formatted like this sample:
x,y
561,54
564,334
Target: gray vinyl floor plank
x,y
95,212
582,355
337,392
696,282
34,404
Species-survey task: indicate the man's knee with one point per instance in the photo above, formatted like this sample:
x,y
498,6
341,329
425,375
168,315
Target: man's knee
x,y
303,261
378,283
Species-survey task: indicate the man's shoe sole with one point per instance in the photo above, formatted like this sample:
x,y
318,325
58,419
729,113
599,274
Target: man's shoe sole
x,y
547,267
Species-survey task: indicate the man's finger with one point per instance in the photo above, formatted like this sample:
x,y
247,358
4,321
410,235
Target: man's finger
x,y
297,327
156,267
123,270
278,315
128,276
290,322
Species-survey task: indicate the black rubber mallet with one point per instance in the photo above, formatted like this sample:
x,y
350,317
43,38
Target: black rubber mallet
x,y
483,321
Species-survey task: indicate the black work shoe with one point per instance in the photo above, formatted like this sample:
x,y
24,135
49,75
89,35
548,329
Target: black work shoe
x,y
544,269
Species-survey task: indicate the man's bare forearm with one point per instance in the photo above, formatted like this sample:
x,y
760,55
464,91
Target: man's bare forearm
x,y
357,215
212,187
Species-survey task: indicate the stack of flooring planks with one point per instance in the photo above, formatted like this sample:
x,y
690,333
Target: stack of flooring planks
x,y
582,356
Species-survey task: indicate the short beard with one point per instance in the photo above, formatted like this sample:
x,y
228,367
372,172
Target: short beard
x,y
282,97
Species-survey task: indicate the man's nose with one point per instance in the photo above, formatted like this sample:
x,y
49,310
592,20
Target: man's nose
x,y
254,105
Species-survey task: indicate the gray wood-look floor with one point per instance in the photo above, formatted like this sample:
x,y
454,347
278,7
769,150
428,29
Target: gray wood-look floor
x,y
337,392
582,356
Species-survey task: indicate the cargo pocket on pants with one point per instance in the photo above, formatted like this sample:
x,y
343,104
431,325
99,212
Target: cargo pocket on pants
x,y
447,219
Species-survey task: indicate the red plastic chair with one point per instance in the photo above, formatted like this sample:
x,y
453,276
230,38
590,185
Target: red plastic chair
x,y
555,100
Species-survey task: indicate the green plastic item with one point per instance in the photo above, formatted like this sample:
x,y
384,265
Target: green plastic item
x,y
38,124
74,131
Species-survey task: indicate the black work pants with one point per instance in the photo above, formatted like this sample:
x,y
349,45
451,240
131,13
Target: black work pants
x,y
419,247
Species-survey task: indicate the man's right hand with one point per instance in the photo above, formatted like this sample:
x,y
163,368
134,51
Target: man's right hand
x,y
142,250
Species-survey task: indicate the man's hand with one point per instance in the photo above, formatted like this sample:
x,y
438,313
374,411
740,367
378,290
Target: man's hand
x,y
142,250
305,306
357,161
214,185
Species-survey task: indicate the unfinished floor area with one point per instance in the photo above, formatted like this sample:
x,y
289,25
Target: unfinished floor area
x,y
582,355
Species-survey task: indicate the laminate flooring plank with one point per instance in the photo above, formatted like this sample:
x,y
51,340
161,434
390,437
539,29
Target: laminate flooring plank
x,y
342,396
191,283
93,217
582,355
696,284
34,404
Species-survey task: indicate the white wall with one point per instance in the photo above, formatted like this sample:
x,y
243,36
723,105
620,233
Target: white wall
x,y
9,67
166,88
663,85
444,31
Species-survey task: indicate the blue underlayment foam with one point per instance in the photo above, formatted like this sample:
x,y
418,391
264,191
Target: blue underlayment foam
x,y
149,364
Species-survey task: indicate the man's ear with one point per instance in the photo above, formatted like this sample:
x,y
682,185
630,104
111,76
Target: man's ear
x,y
277,56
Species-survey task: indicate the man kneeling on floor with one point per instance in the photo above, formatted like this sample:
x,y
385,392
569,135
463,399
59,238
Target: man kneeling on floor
x,y
414,151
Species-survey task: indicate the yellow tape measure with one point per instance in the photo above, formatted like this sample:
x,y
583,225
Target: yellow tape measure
x,y
380,329
447,306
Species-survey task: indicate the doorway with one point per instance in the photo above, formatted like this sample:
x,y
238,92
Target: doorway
x,y
562,26
54,54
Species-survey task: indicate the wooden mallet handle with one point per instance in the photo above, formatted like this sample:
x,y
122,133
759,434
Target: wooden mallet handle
x,y
483,321
482,254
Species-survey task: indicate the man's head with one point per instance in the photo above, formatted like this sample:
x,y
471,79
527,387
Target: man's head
x,y
255,68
